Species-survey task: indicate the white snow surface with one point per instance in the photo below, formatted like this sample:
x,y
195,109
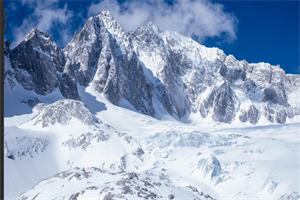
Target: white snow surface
x,y
223,161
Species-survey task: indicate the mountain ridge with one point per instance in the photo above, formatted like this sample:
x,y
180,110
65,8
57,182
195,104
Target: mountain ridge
x,y
153,68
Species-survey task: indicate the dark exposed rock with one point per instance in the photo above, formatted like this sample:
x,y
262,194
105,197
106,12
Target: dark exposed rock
x,y
68,83
174,86
126,80
250,86
275,96
243,116
74,196
132,175
203,110
31,102
36,62
269,113
6,47
139,152
281,116
232,75
253,114
221,100
10,156
39,65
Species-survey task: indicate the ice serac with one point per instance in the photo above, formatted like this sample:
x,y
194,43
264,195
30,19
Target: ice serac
x,y
39,65
103,52
209,166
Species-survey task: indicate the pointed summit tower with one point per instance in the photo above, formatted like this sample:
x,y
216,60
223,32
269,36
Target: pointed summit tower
x,y
36,61
102,55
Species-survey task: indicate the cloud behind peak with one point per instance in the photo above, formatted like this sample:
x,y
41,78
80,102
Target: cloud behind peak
x,y
200,19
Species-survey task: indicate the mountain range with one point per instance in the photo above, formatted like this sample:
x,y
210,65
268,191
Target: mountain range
x,y
152,68
113,113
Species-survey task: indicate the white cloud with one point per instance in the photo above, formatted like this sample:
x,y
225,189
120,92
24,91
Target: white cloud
x,y
46,14
136,14
200,18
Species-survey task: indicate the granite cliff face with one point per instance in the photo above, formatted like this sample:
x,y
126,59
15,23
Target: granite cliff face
x,y
152,68
104,57
206,81
39,66
37,62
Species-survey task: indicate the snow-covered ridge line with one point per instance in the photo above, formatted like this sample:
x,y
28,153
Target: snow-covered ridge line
x,y
152,68
108,185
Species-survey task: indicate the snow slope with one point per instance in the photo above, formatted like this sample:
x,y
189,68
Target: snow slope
x,y
222,161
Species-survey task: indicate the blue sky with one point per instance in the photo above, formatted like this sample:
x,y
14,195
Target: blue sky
x,y
258,31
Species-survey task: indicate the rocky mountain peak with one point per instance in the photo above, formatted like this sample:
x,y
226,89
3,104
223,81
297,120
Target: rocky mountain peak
x,y
185,75
40,65
150,63
106,13
42,40
42,43
149,27
108,21
99,34
36,61
35,33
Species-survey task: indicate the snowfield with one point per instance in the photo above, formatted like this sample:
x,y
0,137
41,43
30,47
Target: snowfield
x,y
220,161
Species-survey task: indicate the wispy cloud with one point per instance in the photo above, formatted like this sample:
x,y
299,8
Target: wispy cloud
x,y
200,18
46,14
195,18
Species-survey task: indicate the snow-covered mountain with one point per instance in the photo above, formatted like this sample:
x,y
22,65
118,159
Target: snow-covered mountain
x,y
148,114
153,69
